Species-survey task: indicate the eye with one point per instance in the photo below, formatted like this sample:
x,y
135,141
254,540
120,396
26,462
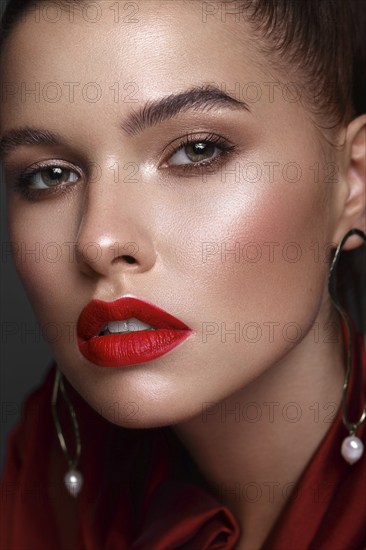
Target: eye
x,y
196,152
42,180
49,177
192,153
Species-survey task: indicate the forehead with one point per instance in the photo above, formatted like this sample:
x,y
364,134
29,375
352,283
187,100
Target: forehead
x,y
159,45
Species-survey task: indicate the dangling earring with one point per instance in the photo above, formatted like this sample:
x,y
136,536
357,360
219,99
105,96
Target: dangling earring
x,y
73,478
352,446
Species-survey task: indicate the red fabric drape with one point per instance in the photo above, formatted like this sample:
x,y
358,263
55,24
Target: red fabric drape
x,y
136,495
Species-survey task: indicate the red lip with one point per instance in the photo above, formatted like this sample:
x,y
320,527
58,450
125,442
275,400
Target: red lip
x,y
119,350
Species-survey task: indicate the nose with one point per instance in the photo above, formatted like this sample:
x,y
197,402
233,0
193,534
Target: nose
x,y
114,235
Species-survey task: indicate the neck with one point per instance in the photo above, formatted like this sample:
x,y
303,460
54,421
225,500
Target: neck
x,y
253,446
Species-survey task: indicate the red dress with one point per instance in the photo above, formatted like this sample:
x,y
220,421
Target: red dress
x,y
143,492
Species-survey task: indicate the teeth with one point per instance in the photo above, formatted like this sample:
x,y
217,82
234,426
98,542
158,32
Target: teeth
x,y
127,325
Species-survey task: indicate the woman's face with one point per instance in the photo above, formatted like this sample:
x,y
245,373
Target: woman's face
x,y
234,249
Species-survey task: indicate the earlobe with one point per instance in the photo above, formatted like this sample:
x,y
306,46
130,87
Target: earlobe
x,y
353,214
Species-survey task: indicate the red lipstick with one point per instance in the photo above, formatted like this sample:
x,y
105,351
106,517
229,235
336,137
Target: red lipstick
x,y
121,349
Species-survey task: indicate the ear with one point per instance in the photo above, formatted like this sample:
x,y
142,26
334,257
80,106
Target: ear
x,y
353,199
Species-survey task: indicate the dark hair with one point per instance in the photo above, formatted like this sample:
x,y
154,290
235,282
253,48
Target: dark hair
x,y
322,43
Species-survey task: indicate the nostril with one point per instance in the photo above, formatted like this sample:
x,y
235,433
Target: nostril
x,y
129,259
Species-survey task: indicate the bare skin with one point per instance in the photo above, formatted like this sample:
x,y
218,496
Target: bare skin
x,y
183,227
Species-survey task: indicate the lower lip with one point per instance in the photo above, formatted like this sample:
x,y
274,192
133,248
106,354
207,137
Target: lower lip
x,y
124,349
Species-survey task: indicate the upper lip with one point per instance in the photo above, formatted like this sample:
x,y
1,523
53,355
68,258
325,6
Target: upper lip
x,y
97,313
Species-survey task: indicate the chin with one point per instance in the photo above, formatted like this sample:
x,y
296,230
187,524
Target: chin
x,y
147,415
130,398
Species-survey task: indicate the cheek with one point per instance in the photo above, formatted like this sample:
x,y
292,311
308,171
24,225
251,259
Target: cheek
x,y
261,276
43,255
262,246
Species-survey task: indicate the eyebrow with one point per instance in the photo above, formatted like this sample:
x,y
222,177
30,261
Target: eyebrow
x,y
202,99
27,136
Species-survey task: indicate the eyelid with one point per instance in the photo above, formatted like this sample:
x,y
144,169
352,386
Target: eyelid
x,y
44,165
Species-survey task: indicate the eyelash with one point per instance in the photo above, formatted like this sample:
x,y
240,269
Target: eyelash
x,y
22,184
